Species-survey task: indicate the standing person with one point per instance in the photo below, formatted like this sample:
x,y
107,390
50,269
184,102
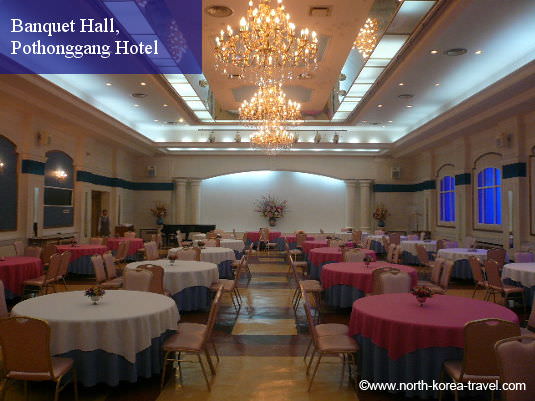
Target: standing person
x,y
104,224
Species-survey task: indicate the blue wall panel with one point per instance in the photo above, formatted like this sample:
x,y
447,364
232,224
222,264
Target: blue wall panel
x,y
8,185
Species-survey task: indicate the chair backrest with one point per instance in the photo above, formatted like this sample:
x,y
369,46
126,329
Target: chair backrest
x,y
368,243
436,271
493,273
310,320
189,254
137,280
394,281
422,235
480,336
300,238
375,278
390,252
151,251
214,242
335,243
156,284
354,255
524,257
447,269
33,251
122,250
422,254
469,242
25,346
212,316
109,265
475,266
64,264
264,235
54,267
234,234
50,249
293,269
516,358
239,270
179,236
130,234
19,248
211,235
379,232
157,238
356,236
395,238
385,239
3,305
98,266
96,241
497,254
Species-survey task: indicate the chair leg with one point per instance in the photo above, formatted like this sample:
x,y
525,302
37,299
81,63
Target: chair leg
x,y
343,370
75,383
26,392
4,389
164,368
215,352
209,360
307,351
64,283
204,372
56,391
310,361
314,372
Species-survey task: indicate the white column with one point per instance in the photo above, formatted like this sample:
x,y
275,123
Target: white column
x,y
351,200
195,201
365,202
180,200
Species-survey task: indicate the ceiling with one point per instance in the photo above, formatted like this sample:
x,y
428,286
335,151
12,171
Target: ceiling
x,y
497,36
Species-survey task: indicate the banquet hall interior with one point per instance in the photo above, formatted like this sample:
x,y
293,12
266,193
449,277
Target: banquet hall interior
x,y
340,204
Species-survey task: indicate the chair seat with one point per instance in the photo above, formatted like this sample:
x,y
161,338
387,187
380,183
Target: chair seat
x,y
507,289
334,344
332,329
311,285
301,264
117,282
191,328
228,285
184,342
433,287
38,281
295,252
60,366
454,369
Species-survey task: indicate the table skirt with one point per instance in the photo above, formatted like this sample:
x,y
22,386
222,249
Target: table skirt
x,y
192,299
225,269
529,292
82,265
423,364
314,270
377,247
342,296
462,270
94,367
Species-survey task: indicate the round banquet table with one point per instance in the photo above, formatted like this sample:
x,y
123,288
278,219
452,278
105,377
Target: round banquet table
x,y
317,243
254,236
133,244
345,235
409,254
292,241
236,245
321,256
401,342
377,242
344,283
460,256
14,270
222,257
118,339
188,281
81,256
523,275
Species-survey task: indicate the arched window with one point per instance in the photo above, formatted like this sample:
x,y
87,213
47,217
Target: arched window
x,y
489,196
8,185
447,199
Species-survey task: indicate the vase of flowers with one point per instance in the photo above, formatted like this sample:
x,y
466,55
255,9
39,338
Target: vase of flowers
x,y
380,214
159,211
421,294
271,208
95,294
367,260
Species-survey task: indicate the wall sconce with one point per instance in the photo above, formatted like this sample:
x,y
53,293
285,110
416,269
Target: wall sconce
x,y
2,166
336,138
60,174
317,138
211,138
296,138
237,138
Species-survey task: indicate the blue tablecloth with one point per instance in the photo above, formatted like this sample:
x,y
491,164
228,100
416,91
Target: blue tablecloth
x,y
462,270
82,265
377,247
225,269
193,298
314,271
423,364
342,296
99,366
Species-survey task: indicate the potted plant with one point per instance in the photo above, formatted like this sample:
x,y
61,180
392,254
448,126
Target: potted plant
x,y
271,208
380,214
159,211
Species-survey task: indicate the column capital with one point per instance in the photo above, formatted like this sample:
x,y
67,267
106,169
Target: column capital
x,y
365,183
195,181
180,181
351,182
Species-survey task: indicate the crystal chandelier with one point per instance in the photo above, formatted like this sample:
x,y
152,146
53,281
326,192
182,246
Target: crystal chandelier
x,y
367,38
269,103
272,138
267,46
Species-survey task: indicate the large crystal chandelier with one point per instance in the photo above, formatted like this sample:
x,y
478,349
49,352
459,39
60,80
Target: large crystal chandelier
x,y
267,46
367,38
269,104
272,138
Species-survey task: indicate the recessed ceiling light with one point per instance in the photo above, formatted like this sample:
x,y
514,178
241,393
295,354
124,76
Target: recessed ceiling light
x,y
143,83
478,52
379,105
434,52
401,84
218,11
364,121
390,121
109,84
136,105
458,51
156,121
437,84
180,120
409,106
165,105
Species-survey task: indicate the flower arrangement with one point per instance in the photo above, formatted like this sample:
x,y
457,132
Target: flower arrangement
x,y
367,260
380,213
271,208
422,293
95,293
74,242
159,210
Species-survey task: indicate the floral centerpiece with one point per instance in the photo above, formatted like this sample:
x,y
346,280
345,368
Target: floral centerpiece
x,y
422,293
271,208
74,242
380,214
95,293
367,260
159,211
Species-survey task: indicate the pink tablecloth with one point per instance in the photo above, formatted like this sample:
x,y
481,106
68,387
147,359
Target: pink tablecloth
x,y
133,244
398,324
319,256
14,270
82,250
309,245
357,275
292,238
254,236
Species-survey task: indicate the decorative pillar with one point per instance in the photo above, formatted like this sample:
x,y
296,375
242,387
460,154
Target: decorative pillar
x,y
351,200
365,202
180,200
195,201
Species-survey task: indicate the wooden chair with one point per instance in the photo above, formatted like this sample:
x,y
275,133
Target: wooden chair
x,y
100,274
151,251
516,358
122,252
189,254
137,280
157,282
356,236
263,238
436,273
48,279
50,249
3,304
230,286
213,242
311,286
479,363
113,280
497,254
354,256
477,274
496,286
530,324
25,344
64,268
96,241
33,251
395,238
19,248
192,339
388,280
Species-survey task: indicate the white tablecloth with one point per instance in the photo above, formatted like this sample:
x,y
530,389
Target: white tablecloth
x,y
524,273
234,244
184,273
462,253
342,235
213,254
410,246
379,237
198,237
123,323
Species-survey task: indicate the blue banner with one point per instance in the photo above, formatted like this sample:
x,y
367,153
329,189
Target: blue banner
x,y
101,36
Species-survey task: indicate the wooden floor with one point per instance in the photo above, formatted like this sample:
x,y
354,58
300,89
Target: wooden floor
x,y
261,350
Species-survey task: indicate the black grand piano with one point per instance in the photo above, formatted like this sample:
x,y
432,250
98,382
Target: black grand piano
x,y
169,231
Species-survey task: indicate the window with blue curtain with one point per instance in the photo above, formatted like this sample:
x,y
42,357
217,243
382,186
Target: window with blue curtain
x,y
489,196
447,199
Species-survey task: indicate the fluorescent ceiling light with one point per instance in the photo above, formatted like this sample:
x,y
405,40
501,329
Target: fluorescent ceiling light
x,y
186,149
389,45
347,106
369,75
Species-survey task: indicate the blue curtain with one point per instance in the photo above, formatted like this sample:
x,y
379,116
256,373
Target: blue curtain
x,y
447,199
489,196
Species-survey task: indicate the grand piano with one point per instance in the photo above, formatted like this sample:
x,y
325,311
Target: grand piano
x,y
169,230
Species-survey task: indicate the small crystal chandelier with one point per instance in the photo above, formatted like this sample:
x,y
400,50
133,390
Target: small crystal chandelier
x,y
272,138
269,104
266,46
367,38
